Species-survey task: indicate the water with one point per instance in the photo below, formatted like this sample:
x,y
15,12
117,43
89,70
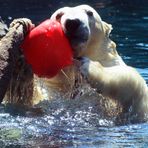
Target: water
x,y
66,123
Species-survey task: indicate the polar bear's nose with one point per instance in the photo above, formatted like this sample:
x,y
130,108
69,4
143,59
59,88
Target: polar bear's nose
x,y
71,25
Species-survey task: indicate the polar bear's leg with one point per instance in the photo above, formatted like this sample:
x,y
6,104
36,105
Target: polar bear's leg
x,y
122,83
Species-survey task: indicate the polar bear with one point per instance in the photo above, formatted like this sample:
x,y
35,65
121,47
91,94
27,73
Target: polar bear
x,y
100,62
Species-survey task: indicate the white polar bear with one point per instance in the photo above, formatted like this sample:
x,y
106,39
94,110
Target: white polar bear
x,y
102,66
100,63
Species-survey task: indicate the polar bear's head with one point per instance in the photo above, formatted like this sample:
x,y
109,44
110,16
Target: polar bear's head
x,y
84,28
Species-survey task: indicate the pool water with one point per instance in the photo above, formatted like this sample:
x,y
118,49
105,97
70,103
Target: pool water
x,y
65,123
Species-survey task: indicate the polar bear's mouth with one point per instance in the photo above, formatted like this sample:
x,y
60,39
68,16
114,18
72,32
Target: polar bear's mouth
x,y
77,39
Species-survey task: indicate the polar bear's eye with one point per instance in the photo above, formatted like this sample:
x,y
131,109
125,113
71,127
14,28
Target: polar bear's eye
x,y
59,15
89,13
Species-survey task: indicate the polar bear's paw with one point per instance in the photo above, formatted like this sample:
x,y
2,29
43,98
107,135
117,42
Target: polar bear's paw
x,y
91,70
84,66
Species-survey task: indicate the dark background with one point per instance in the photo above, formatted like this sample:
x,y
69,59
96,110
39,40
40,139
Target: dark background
x,y
38,10
129,19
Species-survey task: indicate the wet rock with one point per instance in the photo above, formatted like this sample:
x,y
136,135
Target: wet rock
x,y
16,76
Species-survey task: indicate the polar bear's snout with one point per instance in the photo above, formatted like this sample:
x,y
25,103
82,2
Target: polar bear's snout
x,y
76,31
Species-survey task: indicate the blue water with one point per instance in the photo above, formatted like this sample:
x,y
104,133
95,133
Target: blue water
x,y
67,125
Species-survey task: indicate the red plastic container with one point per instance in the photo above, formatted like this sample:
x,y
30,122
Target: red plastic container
x,y
47,49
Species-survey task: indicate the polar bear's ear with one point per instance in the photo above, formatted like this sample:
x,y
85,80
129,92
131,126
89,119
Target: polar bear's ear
x,y
57,15
107,28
